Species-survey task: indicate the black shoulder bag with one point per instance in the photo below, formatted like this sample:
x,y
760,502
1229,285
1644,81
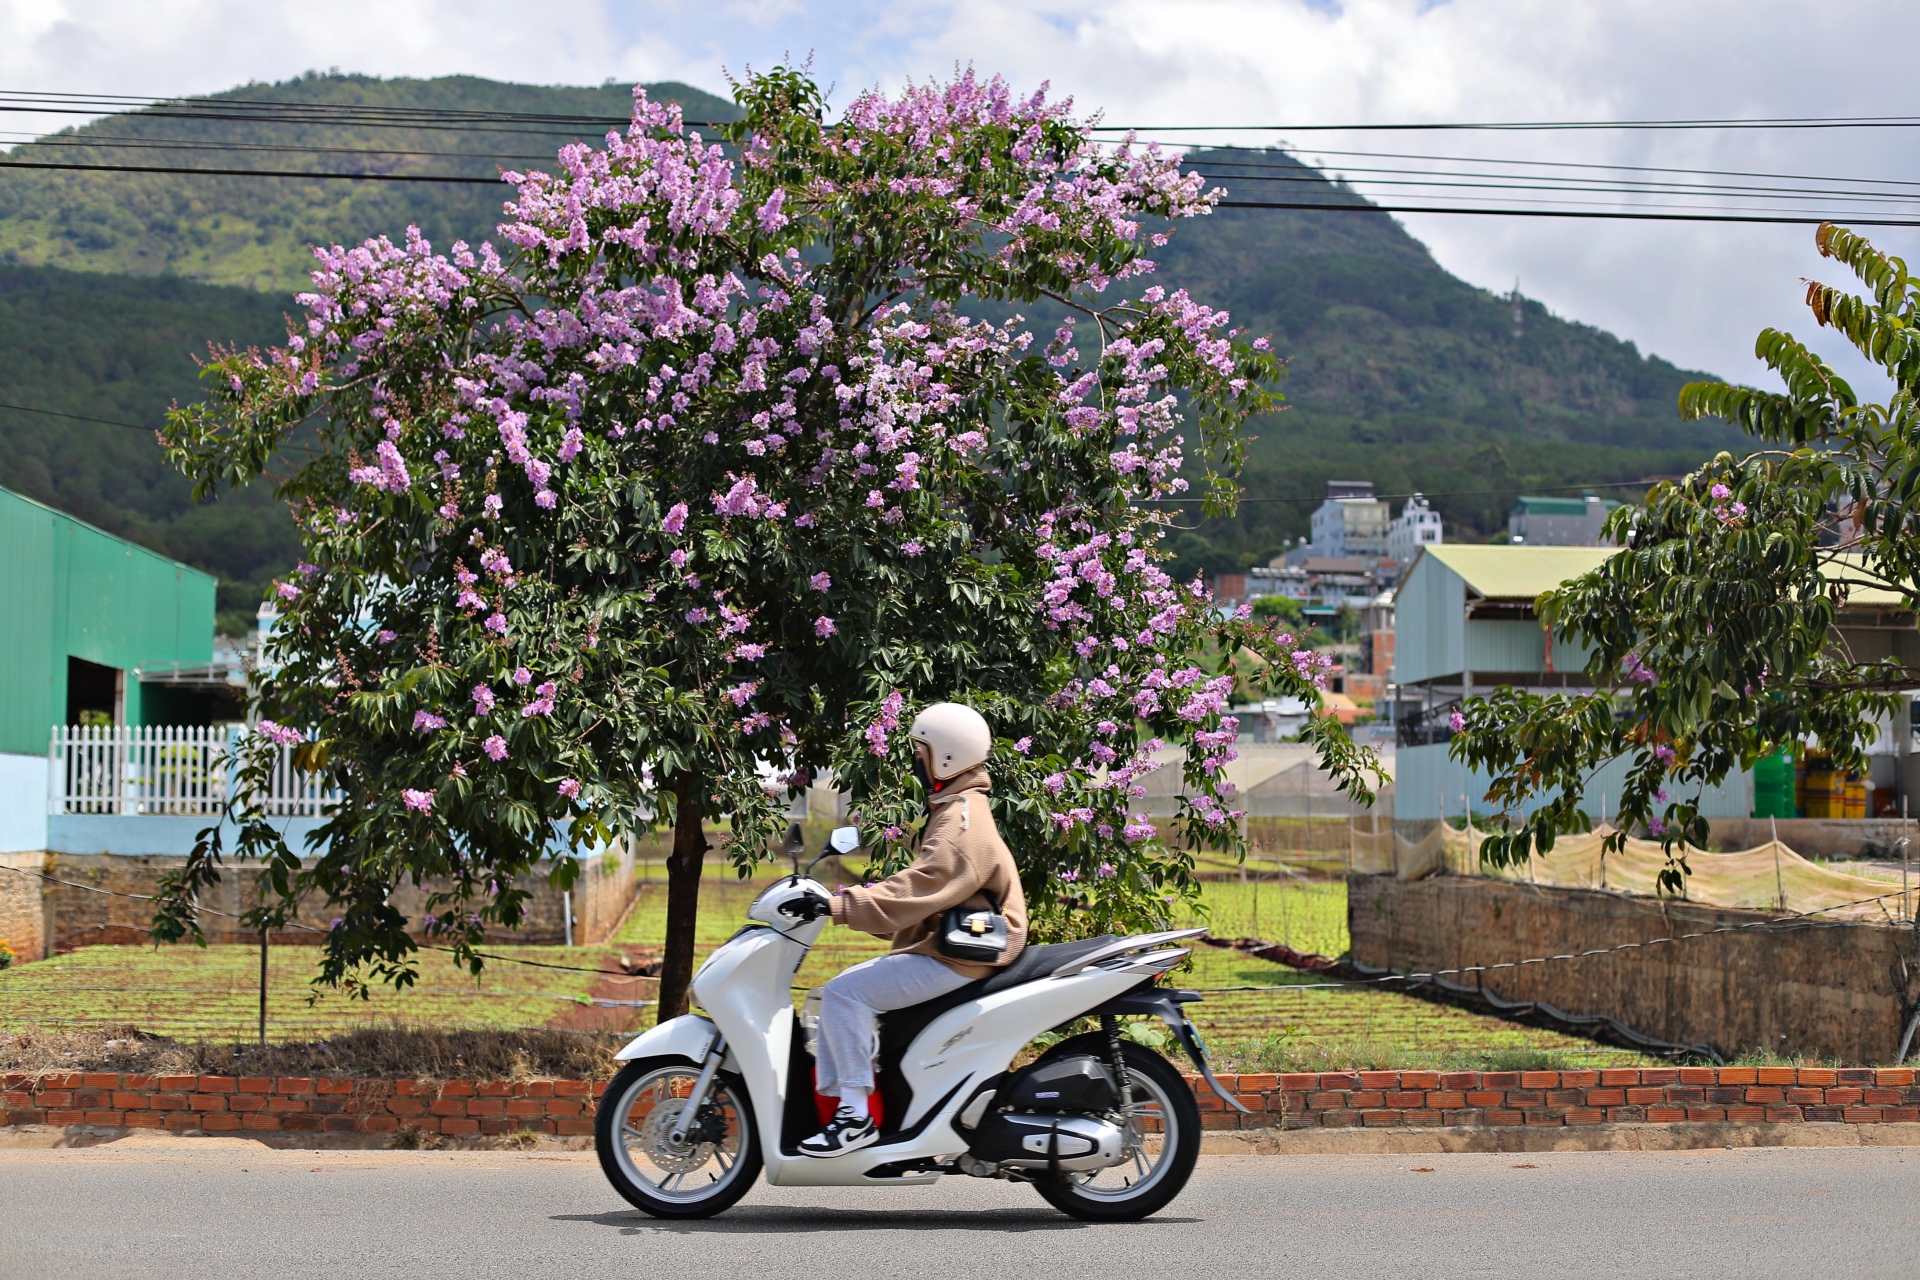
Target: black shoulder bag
x,y
974,935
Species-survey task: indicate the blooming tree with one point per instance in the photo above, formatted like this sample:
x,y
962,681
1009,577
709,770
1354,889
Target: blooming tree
x,y
1711,633
732,456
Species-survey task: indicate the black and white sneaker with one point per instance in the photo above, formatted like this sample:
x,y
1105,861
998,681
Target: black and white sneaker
x,y
845,1132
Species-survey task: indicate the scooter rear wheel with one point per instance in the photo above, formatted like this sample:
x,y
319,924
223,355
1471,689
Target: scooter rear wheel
x,y
707,1171
1164,1143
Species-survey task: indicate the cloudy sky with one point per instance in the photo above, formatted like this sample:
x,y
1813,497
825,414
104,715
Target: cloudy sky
x,y
1693,293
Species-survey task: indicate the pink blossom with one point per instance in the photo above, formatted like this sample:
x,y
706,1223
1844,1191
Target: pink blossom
x,y
820,582
676,518
427,722
887,720
696,616
542,705
483,699
420,800
1456,722
522,676
497,623
568,787
495,747
824,626
279,733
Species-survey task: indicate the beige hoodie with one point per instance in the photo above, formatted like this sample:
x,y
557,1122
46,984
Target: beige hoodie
x,y
962,859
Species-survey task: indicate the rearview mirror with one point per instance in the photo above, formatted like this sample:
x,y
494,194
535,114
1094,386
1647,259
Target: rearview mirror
x,y
844,839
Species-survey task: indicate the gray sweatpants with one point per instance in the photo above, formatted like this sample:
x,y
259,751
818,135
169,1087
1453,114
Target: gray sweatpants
x,y
851,1005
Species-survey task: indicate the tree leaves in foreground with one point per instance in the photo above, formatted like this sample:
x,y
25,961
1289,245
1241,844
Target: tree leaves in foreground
x,y
1711,633
733,458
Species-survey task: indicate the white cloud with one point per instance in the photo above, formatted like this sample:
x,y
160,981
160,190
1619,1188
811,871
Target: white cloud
x,y
1693,293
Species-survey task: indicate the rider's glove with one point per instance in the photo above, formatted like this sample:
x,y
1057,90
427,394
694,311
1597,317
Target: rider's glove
x,y
808,906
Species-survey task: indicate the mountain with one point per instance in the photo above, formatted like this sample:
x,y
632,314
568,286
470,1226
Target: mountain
x,y
120,348
1402,374
1399,373
256,232
111,283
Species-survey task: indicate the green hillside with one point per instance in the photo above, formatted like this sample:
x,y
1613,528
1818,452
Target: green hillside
x,y
257,232
1399,372
121,348
1404,375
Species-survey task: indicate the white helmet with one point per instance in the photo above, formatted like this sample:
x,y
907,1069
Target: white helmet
x,y
957,737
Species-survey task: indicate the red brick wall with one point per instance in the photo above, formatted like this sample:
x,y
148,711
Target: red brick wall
x,y
1496,1099
1334,1099
287,1104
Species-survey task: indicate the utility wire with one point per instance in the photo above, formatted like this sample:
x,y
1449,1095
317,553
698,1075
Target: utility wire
x,y
303,928
118,142
249,173
1304,206
1611,215
1458,493
75,417
1385,497
1529,126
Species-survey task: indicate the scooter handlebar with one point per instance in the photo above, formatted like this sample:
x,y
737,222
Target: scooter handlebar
x,y
807,906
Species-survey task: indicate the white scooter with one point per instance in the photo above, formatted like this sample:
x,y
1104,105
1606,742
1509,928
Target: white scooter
x,y
1105,1129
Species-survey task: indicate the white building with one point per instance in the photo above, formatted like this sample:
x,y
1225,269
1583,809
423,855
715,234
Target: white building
x,y
1350,522
1417,527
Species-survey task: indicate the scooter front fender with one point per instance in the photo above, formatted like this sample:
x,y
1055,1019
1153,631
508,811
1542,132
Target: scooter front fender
x,y
688,1036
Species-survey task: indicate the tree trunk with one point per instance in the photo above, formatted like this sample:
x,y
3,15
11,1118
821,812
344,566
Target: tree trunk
x,y
683,895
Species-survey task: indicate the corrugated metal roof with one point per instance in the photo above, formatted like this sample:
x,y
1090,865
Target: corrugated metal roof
x,y
1517,573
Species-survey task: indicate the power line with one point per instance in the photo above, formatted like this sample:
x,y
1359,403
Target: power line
x,y
1457,493
249,173
76,417
1578,164
1301,205
1552,183
1522,126
1611,215
119,142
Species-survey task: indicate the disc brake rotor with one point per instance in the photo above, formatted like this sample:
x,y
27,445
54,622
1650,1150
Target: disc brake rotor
x,y
656,1139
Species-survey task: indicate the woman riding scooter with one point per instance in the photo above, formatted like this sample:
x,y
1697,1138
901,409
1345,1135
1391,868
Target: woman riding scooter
x,y
962,863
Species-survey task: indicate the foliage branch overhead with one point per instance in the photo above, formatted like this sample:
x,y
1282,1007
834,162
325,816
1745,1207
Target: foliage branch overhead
x,y
1716,632
735,456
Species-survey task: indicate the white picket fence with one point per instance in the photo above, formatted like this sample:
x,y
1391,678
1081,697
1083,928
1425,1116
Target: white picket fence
x,y
165,769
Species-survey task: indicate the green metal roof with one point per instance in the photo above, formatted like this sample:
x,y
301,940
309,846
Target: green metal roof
x,y
1559,506
69,590
1517,573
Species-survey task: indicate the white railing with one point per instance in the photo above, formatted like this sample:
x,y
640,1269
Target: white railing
x,y
165,769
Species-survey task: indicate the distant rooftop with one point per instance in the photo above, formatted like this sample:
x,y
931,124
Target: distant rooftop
x,y
1517,573
1339,489
1540,506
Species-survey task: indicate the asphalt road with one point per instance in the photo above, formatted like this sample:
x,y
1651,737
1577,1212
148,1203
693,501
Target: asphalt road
x,y
206,1209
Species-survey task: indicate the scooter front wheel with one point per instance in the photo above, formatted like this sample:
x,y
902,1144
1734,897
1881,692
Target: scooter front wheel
x,y
715,1160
